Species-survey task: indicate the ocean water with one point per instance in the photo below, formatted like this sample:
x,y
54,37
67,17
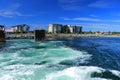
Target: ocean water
x,y
65,59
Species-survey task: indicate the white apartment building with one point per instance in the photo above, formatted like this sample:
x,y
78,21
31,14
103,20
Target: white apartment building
x,y
54,28
59,28
2,28
20,28
70,28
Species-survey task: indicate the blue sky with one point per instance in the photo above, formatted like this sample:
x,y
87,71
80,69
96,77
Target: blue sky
x,y
94,15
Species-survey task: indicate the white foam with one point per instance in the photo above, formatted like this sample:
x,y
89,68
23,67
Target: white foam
x,y
60,54
76,73
6,77
117,73
17,72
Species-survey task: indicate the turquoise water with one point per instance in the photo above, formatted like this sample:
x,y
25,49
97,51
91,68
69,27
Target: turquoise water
x,y
52,60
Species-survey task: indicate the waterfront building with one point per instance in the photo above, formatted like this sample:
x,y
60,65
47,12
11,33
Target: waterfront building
x,y
54,28
20,28
70,28
65,29
77,29
59,28
2,28
98,33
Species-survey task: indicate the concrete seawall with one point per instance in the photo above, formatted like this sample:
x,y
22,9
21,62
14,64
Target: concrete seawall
x,y
20,36
50,36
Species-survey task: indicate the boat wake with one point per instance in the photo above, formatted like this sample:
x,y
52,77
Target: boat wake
x,y
26,60
84,73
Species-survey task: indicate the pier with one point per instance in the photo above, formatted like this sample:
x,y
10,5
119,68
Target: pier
x,y
20,36
39,35
2,33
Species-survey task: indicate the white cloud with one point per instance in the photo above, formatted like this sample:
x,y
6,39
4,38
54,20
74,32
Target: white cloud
x,y
92,15
82,19
9,13
12,11
89,19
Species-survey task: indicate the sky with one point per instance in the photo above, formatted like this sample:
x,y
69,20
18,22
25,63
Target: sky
x,y
93,15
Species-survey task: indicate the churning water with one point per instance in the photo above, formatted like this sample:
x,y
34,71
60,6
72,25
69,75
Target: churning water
x,y
66,59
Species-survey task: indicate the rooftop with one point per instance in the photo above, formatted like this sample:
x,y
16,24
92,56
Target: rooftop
x,y
2,26
21,25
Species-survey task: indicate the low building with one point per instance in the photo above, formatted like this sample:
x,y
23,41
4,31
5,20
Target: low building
x,y
98,33
20,28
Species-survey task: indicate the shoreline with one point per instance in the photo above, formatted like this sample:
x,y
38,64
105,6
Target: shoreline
x,y
55,36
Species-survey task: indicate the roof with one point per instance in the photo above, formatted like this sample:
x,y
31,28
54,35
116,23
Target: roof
x,y
2,26
22,25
